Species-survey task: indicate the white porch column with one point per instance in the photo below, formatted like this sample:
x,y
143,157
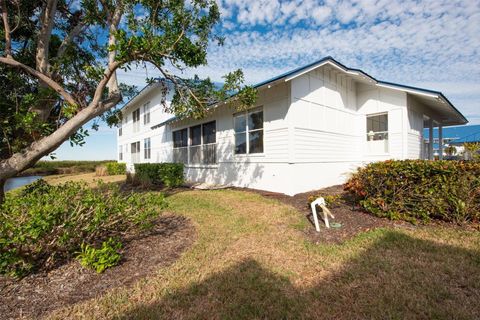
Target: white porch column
x,y
440,142
430,139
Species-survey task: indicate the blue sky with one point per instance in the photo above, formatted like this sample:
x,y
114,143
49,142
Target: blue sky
x,y
430,44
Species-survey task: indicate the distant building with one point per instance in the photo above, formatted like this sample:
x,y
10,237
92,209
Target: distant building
x,y
454,136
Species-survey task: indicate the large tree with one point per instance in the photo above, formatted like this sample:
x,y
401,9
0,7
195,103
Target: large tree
x,y
59,58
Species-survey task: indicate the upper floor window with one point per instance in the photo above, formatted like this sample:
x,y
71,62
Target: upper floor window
x,y
147,148
120,130
136,120
249,132
146,113
377,133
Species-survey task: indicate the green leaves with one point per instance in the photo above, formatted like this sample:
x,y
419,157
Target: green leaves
x,y
100,259
419,190
45,225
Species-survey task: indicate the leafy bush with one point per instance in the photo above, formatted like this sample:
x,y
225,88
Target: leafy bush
x,y
46,224
100,259
167,174
114,168
419,190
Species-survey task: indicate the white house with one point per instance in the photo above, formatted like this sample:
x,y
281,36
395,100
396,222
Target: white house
x,y
309,129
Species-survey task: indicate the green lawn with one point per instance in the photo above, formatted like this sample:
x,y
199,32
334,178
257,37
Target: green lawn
x,y
251,260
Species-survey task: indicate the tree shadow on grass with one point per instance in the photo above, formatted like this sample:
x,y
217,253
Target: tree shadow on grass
x,y
398,277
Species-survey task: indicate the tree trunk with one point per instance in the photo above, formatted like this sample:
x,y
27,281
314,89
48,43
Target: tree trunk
x,y
2,192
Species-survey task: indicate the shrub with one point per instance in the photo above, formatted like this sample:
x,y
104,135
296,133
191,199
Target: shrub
x,y
114,168
167,174
419,190
46,224
100,259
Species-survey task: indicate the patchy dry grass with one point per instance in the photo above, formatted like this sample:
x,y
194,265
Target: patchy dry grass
x,y
251,260
90,178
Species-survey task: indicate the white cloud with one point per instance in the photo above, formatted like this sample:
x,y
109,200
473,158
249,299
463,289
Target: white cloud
x,y
435,44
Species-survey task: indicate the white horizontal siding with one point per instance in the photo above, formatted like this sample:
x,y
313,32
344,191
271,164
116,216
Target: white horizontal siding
x,y
321,146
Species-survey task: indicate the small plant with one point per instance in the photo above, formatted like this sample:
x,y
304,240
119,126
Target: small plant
x,y
330,200
100,259
472,150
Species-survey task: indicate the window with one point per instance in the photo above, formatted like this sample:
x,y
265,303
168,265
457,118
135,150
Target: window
x,y
136,120
377,133
120,131
180,146
196,135
146,148
195,145
180,138
209,132
377,127
249,132
146,113
135,151
120,153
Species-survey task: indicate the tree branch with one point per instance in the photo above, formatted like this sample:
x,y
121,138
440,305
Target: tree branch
x,y
112,84
22,160
6,25
42,77
69,38
46,22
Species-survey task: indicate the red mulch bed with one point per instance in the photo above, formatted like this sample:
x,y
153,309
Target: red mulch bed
x,y
353,221
39,294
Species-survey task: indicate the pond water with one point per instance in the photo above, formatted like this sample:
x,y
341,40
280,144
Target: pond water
x,y
18,182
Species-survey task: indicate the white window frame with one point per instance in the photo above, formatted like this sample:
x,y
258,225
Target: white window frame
x,y
202,142
385,134
248,131
136,123
147,148
146,113
120,153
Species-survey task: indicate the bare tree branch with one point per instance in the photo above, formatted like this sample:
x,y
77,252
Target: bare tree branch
x,y
6,25
42,77
69,38
46,20
114,21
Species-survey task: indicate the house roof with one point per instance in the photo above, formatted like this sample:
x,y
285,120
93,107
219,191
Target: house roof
x,y
434,99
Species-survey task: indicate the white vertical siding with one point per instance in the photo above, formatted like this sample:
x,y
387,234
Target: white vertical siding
x,y
326,124
372,100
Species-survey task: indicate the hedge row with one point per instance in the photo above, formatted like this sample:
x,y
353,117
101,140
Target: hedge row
x,y
115,168
419,190
166,174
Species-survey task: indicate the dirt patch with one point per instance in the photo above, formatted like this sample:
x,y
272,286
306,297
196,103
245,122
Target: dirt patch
x,y
39,294
353,221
